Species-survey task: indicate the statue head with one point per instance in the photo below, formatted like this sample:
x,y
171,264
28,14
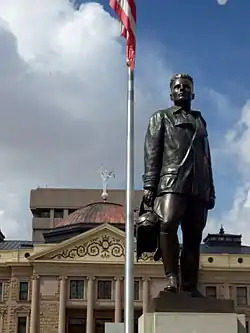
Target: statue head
x,y
182,89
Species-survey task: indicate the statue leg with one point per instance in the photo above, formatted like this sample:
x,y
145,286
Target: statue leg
x,y
170,209
192,226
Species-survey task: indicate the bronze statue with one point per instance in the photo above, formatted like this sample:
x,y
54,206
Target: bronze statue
x,y
178,183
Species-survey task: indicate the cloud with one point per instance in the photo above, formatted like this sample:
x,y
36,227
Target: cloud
x,y
238,139
235,152
238,143
236,220
63,101
222,2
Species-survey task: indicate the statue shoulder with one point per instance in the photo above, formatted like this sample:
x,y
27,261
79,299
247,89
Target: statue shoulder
x,y
155,117
160,114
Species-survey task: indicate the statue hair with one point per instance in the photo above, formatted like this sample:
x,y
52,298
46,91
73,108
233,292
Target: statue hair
x,y
181,76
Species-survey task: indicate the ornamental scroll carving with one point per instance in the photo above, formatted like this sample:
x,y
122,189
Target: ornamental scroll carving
x,y
105,247
149,257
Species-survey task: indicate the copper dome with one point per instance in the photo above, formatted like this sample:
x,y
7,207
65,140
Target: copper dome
x,y
97,212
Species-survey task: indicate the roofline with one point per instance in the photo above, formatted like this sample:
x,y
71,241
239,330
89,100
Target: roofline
x,y
80,189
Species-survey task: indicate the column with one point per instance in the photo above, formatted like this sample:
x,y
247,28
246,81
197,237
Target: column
x,y
226,291
35,305
62,304
145,290
90,305
52,218
118,312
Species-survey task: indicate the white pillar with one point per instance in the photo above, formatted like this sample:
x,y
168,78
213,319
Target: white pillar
x,y
145,291
118,312
90,305
62,305
35,305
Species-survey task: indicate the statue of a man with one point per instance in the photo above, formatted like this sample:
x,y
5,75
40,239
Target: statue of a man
x,y
178,182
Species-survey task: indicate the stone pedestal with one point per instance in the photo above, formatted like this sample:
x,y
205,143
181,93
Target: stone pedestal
x,y
177,322
181,313
183,302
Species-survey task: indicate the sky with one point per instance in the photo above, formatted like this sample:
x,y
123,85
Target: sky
x,y
63,84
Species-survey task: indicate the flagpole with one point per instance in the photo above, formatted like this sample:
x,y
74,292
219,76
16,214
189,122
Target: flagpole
x,y
129,243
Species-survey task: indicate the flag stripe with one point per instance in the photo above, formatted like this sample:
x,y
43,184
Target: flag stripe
x,y
126,10
126,15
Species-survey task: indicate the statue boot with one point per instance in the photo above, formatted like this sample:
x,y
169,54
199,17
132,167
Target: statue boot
x,y
169,246
189,264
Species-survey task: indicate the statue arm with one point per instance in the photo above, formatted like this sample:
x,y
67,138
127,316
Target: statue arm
x,y
153,151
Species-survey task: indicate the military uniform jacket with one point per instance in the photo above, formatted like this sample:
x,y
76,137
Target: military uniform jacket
x,y
177,155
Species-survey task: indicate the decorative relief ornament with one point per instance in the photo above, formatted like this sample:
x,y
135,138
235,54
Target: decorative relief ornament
x,y
104,246
146,256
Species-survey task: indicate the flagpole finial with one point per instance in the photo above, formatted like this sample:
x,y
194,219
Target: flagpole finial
x,y
106,175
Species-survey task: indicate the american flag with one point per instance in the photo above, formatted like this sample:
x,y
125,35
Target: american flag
x,y
126,10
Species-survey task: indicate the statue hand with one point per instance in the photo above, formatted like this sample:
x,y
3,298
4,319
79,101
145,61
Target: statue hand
x,y
149,197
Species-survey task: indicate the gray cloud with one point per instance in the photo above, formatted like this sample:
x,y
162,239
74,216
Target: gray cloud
x,y
63,101
233,152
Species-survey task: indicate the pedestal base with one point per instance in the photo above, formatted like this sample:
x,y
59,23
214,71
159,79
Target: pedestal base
x,y
183,302
176,322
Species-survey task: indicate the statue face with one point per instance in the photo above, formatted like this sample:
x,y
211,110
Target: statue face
x,y
182,91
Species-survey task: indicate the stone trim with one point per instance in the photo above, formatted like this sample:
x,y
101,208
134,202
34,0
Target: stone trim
x,y
35,276
22,310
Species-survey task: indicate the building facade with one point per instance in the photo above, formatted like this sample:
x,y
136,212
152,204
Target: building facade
x,y
69,278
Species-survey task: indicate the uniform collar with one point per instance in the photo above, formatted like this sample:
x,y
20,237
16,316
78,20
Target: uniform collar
x,y
176,109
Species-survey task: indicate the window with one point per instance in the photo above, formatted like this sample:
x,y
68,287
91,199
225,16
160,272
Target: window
x,y
211,292
23,291
76,322
241,295
21,324
58,213
42,212
76,289
137,290
104,289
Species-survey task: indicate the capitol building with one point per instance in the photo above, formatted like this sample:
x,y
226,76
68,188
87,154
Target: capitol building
x,y
69,278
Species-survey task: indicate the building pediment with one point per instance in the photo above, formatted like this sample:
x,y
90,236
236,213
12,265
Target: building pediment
x,y
104,242
103,246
